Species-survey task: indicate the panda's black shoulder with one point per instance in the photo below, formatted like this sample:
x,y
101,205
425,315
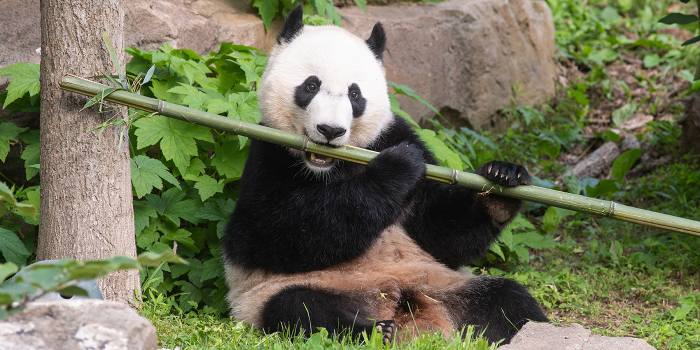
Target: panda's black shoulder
x,y
399,131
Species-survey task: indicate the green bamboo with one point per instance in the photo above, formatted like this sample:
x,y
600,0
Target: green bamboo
x,y
536,194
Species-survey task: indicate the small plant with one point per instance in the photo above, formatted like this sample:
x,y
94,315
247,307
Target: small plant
x,y
61,276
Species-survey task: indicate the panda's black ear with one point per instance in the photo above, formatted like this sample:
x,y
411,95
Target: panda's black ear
x,y
292,26
377,41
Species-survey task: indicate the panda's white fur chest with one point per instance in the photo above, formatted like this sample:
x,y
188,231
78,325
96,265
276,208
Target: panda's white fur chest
x,y
393,265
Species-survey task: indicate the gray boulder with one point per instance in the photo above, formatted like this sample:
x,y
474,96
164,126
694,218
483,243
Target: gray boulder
x,y
464,56
85,324
546,336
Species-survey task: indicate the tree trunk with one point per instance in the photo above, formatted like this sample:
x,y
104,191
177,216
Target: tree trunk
x,y
86,198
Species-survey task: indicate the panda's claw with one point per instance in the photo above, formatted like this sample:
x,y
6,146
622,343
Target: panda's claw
x,y
504,173
387,329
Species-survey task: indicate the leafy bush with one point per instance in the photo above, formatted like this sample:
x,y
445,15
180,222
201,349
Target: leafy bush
x,y
62,277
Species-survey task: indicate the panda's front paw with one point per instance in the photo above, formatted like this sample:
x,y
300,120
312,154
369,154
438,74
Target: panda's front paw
x,y
386,329
404,161
504,173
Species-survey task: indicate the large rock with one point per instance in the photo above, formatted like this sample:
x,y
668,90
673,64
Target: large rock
x,y
545,336
464,56
20,37
196,25
84,324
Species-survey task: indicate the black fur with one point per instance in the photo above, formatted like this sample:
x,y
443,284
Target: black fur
x,y
308,309
497,306
287,221
358,102
377,41
304,93
292,26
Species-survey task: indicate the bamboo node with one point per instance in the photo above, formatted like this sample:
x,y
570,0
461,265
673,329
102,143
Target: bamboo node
x,y
305,147
455,176
161,106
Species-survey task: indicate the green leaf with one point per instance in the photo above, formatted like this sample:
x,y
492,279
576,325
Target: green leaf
x,y
396,109
181,236
228,159
7,269
652,60
12,248
46,277
72,291
189,293
444,154
534,240
30,155
160,90
219,212
551,220
115,60
146,237
142,214
147,172
362,4
334,15
624,162
25,79
580,97
608,54
691,41
405,90
522,252
208,186
28,209
8,132
170,205
678,18
603,188
193,97
212,269
154,259
149,74
268,10
496,249
246,107
177,138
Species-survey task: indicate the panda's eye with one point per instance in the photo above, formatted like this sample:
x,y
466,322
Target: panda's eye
x,y
311,87
354,95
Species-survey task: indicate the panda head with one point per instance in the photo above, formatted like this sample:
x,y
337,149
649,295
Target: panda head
x,y
327,84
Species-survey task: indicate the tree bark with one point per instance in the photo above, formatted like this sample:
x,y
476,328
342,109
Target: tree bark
x,y
86,198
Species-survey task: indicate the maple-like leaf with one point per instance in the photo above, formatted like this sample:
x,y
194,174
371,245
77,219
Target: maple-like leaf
x,y
147,172
177,138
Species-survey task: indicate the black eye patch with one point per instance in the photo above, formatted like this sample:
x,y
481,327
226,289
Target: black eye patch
x,y
356,100
305,92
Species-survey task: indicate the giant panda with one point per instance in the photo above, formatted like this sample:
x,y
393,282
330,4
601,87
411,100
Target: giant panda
x,y
320,242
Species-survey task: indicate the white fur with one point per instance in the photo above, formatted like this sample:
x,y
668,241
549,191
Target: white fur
x,y
339,59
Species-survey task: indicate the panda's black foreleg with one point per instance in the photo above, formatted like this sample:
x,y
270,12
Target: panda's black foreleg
x,y
307,309
497,306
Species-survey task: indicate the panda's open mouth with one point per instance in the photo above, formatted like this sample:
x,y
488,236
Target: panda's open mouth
x,y
319,160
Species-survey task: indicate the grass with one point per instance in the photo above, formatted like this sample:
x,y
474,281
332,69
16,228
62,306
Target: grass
x,y
617,279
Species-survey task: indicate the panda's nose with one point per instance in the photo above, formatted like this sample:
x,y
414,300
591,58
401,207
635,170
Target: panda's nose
x,y
330,132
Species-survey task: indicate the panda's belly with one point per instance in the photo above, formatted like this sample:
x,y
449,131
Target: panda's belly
x,y
394,266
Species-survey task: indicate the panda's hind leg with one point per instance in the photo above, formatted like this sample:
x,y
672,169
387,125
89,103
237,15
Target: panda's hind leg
x,y
306,308
497,306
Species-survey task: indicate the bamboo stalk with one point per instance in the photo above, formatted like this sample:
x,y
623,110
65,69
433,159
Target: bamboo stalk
x,y
536,194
